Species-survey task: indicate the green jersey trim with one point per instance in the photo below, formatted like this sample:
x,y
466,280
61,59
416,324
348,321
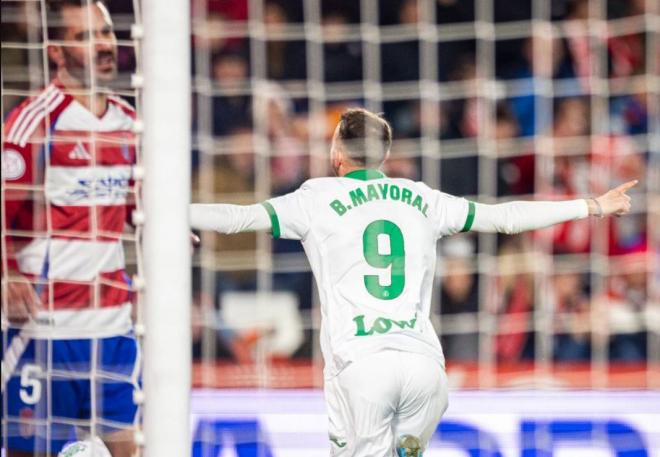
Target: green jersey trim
x,y
470,218
365,174
274,221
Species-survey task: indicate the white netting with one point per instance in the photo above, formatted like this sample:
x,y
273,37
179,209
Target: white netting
x,y
70,149
491,100
488,100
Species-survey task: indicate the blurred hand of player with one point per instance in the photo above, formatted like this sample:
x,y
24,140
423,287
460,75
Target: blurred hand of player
x,y
194,240
616,201
22,301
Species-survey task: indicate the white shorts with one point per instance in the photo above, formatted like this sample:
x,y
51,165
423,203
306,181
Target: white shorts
x,y
381,397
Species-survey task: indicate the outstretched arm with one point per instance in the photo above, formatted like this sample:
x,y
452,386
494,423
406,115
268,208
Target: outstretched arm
x,y
519,216
229,218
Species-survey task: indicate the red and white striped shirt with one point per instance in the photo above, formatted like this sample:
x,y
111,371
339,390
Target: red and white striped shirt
x,y
67,178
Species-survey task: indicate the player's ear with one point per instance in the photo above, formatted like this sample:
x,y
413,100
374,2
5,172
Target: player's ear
x,y
336,159
56,55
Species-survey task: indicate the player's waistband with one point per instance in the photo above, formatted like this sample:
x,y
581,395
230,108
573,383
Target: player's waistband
x,y
80,323
340,355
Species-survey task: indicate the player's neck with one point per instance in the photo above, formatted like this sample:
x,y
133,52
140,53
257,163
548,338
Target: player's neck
x,y
345,169
96,103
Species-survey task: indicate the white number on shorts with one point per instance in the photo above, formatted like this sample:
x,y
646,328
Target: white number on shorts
x,y
30,392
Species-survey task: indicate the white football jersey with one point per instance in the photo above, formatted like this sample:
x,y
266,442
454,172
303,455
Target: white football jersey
x,y
371,242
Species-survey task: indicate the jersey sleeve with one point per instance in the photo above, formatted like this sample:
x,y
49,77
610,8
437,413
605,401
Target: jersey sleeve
x,y
450,214
289,214
18,171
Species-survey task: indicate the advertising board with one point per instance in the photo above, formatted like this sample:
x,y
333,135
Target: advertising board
x,y
293,423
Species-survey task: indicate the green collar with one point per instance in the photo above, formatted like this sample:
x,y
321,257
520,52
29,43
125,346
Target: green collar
x,y
365,174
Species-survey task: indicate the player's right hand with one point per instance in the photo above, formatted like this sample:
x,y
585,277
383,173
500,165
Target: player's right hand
x,y
194,240
22,301
616,201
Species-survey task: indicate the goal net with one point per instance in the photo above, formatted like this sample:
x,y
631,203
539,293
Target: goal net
x,y
494,101
491,100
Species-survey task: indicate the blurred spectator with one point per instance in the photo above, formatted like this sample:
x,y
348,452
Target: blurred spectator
x,y
230,73
515,174
462,114
543,58
342,59
571,172
208,34
230,69
233,10
510,169
622,308
289,160
459,175
453,51
515,301
233,168
400,60
589,165
511,10
289,168
231,179
629,114
615,160
459,298
571,146
451,11
207,340
16,27
506,125
581,52
405,117
285,58
402,167
570,304
626,55
627,52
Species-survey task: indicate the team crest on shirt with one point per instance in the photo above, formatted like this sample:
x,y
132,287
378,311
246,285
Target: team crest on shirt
x,y
13,164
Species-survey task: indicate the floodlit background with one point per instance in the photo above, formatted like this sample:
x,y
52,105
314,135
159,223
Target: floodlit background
x,y
489,99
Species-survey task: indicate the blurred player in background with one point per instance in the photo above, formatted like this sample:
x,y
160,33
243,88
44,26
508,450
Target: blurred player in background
x,y
69,356
371,242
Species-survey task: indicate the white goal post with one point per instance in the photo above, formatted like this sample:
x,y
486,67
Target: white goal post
x,y
166,142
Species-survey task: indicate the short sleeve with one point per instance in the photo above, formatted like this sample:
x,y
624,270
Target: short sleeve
x,y
451,214
289,214
17,170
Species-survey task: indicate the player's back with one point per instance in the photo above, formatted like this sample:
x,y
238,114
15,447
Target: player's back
x,y
371,243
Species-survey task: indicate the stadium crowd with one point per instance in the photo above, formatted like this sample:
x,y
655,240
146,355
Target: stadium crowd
x,y
571,140
583,159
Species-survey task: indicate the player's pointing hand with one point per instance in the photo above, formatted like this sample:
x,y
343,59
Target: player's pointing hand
x,y
614,201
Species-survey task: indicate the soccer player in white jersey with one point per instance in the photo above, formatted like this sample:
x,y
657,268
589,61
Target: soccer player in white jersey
x,y
371,243
70,359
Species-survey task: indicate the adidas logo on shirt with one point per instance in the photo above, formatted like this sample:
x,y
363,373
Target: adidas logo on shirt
x,y
79,153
